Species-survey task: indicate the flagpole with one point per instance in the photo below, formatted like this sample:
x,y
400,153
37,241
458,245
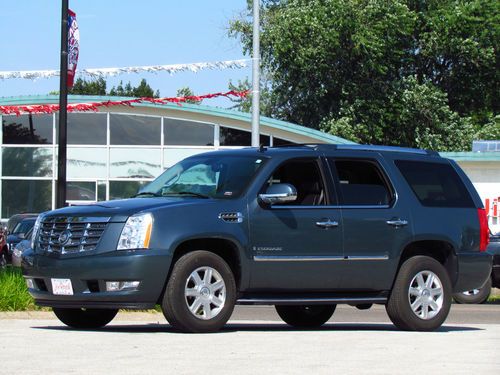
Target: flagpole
x,y
63,102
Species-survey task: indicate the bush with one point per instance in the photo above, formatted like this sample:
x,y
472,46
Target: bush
x,y
14,294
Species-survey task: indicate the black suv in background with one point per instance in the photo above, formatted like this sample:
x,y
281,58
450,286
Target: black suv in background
x,y
303,228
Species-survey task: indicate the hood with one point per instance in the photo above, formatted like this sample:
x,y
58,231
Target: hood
x,y
120,210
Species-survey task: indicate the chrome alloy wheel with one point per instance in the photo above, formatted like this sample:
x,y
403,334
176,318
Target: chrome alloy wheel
x,y
205,293
426,295
472,292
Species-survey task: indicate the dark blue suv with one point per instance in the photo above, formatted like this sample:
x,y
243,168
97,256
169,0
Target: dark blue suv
x,y
303,228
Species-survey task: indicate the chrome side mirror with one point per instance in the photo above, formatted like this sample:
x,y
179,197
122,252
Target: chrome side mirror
x,y
279,193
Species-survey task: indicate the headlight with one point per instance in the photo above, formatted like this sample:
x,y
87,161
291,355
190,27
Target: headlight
x,y
36,227
136,233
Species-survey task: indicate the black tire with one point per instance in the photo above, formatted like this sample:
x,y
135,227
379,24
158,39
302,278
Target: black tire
x,y
399,306
206,309
479,295
305,316
85,318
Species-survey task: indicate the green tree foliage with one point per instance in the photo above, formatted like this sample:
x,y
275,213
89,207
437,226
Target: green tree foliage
x,y
141,91
414,72
92,87
186,91
98,87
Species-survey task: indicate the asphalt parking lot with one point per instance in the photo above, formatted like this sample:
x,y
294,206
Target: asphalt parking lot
x,y
254,342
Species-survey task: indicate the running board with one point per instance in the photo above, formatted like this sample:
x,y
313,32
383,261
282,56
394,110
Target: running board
x,y
310,301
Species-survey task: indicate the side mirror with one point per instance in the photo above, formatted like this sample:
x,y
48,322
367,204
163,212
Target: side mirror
x,y
279,193
21,235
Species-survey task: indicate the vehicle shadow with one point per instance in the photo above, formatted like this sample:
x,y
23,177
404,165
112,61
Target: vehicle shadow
x,y
255,327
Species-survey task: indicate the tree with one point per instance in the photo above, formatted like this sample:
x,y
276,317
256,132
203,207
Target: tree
x,y
92,87
186,91
141,91
344,66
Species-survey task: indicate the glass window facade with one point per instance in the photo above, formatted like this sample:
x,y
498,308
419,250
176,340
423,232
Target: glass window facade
x,y
27,129
19,196
135,130
109,155
187,133
27,162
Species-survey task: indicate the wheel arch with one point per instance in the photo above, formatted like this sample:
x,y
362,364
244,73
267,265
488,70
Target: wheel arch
x,y
226,248
440,250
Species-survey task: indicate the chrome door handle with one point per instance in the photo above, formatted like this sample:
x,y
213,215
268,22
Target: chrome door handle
x,y
327,223
397,222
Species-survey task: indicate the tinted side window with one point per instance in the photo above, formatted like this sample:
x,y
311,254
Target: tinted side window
x,y
305,176
435,184
361,183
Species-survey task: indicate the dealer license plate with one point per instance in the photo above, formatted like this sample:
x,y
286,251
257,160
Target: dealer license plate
x,y
62,287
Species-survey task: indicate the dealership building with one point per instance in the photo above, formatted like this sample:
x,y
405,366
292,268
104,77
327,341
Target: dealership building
x,y
113,152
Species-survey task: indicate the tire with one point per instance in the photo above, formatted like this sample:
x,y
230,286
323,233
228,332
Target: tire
x,y
479,295
422,282
200,293
305,316
85,318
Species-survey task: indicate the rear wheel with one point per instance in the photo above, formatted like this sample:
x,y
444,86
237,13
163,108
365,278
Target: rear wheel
x,y
305,316
200,294
479,295
85,318
421,297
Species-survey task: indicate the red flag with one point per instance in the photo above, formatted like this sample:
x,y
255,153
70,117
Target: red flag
x,y
73,46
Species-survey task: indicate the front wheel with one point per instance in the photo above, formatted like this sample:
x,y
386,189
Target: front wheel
x,y
421,297
305,316
479,295
200,294
85,318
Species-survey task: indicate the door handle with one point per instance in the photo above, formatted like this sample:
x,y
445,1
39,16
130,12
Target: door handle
x,y
327,223
397,222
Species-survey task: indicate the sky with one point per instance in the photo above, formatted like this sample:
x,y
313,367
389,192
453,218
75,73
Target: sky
x,y
120,33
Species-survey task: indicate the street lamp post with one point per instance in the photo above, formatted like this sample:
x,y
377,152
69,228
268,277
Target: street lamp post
x,y
256,75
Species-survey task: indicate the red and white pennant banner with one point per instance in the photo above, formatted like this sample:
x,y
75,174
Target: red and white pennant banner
x,y
94,106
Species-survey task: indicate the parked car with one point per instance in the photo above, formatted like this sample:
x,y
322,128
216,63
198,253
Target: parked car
x,y
20,247
303,228
18,234
15,219
481,295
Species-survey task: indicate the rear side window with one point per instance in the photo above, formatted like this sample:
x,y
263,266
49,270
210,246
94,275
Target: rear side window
x,y
361,183
435,184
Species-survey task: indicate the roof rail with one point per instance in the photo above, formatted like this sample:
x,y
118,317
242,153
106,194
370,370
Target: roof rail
x,y
379,148
407,150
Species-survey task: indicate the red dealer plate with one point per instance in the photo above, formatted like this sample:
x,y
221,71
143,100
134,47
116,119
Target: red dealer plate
x,y
62,287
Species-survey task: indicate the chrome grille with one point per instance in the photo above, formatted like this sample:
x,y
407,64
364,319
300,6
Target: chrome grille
x,y
70,234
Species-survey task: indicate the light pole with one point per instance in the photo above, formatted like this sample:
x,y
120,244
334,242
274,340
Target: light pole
x,y
256,75
63,101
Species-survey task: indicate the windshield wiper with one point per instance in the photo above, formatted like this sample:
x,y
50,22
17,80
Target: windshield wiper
x,y
147,193
189,193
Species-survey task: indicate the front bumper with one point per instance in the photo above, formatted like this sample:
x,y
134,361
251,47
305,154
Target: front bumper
x,y
474,269
495,271
88,275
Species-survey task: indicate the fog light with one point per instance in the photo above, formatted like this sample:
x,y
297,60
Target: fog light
x,y
116,286
30,283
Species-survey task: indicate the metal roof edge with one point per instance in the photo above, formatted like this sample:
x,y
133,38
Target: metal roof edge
x,y
469,156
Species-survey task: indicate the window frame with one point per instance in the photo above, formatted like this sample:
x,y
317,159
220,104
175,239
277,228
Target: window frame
x,y
325,180
382,172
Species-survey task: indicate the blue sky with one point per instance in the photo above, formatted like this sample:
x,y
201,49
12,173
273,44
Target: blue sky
x,y
116,33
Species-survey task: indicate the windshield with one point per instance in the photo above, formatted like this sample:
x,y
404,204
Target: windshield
x,y
210,176
23,226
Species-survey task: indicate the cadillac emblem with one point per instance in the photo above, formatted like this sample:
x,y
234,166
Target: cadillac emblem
x,y
64,238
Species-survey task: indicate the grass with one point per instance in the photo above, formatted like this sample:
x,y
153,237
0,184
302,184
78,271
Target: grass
x,y
14,294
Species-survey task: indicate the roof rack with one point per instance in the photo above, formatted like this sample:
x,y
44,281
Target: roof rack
x,y
327,146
